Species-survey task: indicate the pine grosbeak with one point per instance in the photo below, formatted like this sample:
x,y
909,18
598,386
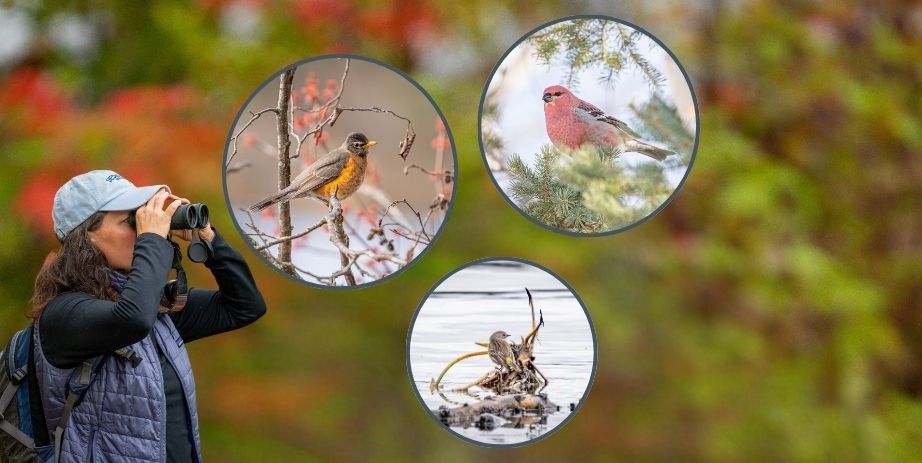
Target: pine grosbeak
x,y
572,122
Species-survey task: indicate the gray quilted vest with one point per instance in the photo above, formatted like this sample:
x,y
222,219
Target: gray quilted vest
x,y
122,418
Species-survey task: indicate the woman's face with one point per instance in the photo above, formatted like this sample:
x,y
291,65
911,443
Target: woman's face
x,y
115,239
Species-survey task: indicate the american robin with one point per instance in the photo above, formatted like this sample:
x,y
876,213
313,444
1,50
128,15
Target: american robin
x,y
572,122
500,351
342,170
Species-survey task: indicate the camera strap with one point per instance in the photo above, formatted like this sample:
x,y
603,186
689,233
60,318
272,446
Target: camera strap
x,y
176,292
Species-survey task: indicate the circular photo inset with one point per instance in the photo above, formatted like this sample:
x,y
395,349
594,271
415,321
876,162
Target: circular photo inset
x,y
588,125
339,171
501,352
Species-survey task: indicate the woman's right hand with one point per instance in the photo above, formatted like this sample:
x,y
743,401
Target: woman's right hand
x,y
152,217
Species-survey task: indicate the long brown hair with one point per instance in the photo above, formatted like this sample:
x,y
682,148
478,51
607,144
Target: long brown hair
x,y
77,266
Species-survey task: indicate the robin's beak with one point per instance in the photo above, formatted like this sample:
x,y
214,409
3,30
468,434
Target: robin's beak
x,y
546,97
370,144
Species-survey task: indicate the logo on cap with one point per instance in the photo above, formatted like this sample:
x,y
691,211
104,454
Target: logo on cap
x,y
113,177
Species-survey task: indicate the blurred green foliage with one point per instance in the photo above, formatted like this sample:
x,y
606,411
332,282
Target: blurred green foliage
x,y
770,313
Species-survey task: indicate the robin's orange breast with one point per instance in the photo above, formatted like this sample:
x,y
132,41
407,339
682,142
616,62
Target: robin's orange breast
x,y
348,181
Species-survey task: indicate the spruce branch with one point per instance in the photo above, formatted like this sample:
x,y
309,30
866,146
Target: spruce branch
x,y
584,192
617,192
598,44
659,119
540,193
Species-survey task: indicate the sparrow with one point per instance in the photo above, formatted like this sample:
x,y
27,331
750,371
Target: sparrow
x,y
572,122
500,351
341,170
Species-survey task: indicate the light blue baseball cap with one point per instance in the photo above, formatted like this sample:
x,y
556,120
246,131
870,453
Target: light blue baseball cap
x,y
92,192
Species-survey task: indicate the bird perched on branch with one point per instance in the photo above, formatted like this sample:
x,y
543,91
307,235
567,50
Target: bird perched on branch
x,y
572,122
500,351
341,170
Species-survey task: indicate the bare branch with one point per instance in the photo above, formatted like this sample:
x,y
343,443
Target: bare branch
x,y
339,238
408,139
292,237
284,145
415,212
238,167
331,119
446,175
253,118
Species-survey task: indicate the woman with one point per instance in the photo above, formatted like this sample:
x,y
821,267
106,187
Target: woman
x,y
103,292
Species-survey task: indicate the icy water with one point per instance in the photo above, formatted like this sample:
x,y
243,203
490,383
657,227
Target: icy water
x,y
475,302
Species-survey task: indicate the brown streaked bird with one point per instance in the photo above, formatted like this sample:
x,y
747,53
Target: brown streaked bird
x,y
500,351
341,170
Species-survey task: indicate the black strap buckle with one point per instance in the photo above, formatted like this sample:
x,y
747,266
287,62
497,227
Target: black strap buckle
x,y
19,374
176,291
130,355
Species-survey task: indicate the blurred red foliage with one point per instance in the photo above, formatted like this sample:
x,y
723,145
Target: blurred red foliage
x,y
317,12
34,100
35,199
397,23
152,101
313,99
145,133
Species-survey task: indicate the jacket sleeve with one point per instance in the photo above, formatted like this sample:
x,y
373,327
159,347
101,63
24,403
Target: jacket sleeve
x,y
75,326
235,304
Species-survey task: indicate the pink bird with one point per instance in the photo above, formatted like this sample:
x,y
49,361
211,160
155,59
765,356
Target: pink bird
x,y
572,122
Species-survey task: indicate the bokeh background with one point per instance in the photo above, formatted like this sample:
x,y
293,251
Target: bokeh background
x,y
772,312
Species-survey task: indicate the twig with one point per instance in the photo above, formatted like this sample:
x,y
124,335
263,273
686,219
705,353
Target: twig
x,y
408,139
252,225
444,174
355,233
312,275
409,236
253,118
331,119
418,216
238,167
383,200
292,237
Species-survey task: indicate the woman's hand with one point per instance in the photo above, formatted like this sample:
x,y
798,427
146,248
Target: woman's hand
x,y
205,234
152,217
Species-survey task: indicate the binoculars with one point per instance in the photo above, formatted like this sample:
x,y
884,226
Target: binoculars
x,y
186,217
